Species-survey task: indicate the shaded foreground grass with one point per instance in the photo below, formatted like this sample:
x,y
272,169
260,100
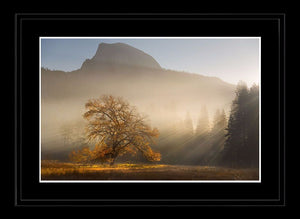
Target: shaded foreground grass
x,y
52,170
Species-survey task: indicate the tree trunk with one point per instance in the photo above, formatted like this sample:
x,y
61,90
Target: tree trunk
x,y
112,162
113,159
114,156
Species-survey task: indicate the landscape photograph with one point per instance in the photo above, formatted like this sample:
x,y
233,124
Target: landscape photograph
x,y
150,109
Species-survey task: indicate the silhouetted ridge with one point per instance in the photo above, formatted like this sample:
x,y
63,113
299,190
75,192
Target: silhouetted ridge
x,y
120,54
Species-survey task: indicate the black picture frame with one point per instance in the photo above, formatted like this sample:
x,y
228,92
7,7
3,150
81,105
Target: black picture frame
x,y
30,26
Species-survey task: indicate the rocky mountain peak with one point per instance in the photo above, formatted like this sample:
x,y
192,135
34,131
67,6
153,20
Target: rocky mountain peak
x,y
122,54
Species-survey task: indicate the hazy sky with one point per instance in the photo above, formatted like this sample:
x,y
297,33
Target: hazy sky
x,y
231,59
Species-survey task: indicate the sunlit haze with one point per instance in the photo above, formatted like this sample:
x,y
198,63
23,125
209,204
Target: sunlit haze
x,y
149,108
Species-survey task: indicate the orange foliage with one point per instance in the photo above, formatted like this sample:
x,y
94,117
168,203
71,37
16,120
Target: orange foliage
x,y
80,156
118,129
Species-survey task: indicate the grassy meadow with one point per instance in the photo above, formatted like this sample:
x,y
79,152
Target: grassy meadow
x,y
54,170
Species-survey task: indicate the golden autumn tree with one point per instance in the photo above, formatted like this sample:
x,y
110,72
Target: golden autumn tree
x,y
117,129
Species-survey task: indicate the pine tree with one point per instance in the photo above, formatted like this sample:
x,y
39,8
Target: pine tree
x,y
222,122
215,122
253,123
219,123
188,125
202,128
217,136
241,146
235,146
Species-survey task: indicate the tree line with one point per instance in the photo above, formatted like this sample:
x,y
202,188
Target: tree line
x,y
231,140
117,130
241,148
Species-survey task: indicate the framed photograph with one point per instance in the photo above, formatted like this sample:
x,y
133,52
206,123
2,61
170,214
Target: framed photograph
x,y
149,109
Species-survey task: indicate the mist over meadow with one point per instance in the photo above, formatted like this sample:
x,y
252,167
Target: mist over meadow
x,y
192,112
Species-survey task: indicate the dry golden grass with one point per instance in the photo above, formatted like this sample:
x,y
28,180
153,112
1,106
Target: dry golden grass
x,y
52,170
